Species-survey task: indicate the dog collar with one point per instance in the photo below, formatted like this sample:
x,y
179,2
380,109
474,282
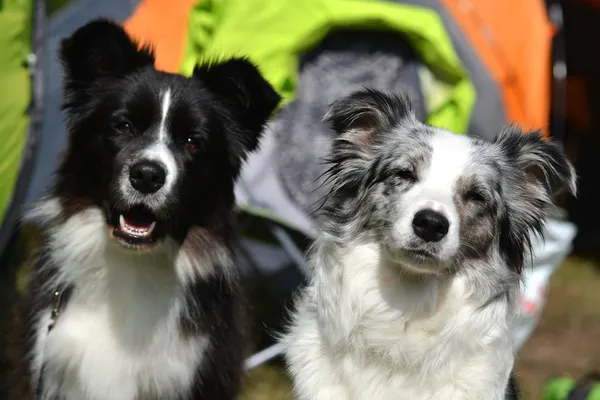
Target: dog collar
x,y
54,314
56,307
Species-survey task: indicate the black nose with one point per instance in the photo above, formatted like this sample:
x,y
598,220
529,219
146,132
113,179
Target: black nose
x,y
147,176
430,225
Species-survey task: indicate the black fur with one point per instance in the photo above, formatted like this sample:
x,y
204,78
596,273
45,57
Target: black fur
x,y
368,112
222,109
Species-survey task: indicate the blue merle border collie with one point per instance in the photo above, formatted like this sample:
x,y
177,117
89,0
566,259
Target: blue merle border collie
x,y
137,257
422,241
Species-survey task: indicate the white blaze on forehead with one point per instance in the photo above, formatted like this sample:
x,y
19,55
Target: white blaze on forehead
x,y
164,112
450,159
159,150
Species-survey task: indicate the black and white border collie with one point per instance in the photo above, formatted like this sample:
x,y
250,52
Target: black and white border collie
x,y
139,227
422,240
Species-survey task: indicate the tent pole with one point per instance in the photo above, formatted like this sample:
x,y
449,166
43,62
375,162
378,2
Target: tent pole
x,y
558,126
295,254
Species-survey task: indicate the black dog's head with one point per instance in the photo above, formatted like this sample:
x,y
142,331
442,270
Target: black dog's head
x,y
157,152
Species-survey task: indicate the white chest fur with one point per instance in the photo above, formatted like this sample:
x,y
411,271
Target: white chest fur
x,y
118,337
376,334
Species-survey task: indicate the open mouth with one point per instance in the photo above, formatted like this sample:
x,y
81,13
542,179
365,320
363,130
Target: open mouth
x,y
135,228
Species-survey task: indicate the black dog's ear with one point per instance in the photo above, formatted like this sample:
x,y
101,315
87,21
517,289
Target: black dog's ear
x,y
100,49
251,99
545,169
366,113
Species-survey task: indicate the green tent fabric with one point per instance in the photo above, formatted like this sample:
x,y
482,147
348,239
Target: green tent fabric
x,y
15,84
274,33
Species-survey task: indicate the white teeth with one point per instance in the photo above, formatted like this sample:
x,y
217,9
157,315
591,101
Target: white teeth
x,y
135,231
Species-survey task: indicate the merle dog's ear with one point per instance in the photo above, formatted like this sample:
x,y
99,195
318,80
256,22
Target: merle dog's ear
x,y
250,99
538,170
100,49
364,114
545,169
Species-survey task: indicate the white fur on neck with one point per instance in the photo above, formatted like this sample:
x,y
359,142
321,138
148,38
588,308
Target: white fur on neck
x,y
366,330
118,338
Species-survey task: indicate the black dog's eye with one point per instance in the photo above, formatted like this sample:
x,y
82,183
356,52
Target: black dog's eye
x,y
190,143
406,174
475,196
124,127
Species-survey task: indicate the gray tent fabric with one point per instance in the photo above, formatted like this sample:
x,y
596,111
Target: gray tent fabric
x,y
53,138
283,177
344,62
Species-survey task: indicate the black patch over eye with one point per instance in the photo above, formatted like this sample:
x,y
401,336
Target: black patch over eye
x,y
474,196
406,174
124,127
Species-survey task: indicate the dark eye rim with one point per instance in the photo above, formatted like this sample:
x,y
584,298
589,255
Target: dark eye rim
x,y
191,143
475,195
123,127
406,174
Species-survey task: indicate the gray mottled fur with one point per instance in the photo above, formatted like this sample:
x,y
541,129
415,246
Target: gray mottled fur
x,y
503,198
421,318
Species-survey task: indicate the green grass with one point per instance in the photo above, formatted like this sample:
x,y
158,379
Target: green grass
x,y
565,341
267,383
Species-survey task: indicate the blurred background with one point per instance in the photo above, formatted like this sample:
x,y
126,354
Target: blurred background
x,y
470,66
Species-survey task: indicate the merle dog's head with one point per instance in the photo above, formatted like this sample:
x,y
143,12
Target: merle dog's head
x,y
158,153
431,198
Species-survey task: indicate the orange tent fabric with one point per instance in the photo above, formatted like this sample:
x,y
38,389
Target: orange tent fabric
x,y
164,24
513,38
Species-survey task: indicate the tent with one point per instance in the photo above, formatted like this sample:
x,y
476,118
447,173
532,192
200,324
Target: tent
x,y
462,61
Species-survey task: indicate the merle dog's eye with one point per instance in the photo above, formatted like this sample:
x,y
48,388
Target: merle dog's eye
x,y
190,143
475,196
124,127
406,174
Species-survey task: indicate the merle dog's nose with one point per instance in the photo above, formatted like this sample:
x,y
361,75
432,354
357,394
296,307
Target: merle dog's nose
x,y
430,225
147,176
